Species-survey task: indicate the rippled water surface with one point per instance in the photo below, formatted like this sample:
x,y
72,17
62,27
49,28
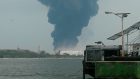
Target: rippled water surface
x,y
16,68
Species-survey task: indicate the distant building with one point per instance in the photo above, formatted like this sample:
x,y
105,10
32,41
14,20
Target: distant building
x,y
58,53
70,52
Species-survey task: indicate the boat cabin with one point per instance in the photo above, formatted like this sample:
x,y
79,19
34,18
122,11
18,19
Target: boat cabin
x,y
99,52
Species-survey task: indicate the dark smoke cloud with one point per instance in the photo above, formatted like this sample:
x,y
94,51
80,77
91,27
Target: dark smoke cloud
x,y
69,17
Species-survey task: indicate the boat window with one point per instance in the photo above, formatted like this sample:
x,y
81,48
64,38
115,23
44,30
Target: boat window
x,y
93,55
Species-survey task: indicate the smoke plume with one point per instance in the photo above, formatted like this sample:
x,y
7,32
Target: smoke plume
x,y
69,17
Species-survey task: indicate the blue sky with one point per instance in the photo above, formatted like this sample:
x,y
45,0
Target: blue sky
x,y
24,24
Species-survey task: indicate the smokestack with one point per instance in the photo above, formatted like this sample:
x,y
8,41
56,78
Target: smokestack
x,y
69,17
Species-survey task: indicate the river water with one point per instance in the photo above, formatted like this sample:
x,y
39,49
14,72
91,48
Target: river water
x,y
40,68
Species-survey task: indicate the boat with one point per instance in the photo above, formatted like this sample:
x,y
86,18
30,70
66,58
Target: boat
x,y
106,62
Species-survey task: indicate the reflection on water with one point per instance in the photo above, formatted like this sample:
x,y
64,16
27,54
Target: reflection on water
x,y
17,68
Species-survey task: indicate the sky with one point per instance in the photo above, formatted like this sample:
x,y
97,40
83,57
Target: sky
x,y
24,24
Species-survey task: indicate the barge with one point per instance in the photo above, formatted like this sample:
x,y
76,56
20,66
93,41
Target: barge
x,y
106,62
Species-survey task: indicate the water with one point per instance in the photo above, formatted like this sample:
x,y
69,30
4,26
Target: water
x,y
17,68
